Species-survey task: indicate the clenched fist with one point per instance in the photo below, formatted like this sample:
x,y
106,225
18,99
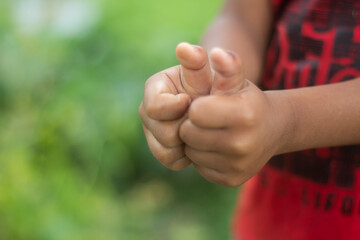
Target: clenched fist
x,y
205,112
167,96
231,134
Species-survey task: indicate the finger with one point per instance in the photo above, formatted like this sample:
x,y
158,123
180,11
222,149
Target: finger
x,y
196,72
162,98
229,76
203,139
210,160
216,177
213,111
172,158
165,132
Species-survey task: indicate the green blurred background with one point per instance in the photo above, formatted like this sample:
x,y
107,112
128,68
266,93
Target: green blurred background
x,y
74,163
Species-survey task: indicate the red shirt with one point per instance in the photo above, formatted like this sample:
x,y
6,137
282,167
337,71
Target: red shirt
x,y
312,194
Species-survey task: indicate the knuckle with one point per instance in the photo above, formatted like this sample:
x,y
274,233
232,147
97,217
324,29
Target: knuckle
x,y
238,169
238,146
232,180
148,86
247,117
242,146
172,159
153,110
149,80
174,166
227,181
232,183
169,141
250,118
222,179
164,157
168,136
247,112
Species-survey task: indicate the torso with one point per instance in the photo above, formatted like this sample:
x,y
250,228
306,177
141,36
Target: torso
x,y
312,194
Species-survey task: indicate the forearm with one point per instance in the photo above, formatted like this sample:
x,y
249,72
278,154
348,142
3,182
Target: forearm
x,y
231,35
322,116
244,27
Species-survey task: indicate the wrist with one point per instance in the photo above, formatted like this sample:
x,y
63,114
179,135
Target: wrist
x,y
284,121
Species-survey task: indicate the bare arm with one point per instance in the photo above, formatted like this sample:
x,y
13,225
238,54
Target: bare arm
x,y
243,26
231,135
322,116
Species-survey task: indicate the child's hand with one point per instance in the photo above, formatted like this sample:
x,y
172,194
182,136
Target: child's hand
x,y
231,134
167,96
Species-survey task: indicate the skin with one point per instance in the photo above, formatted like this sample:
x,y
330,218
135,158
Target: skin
x,y
207,113
244,27
167,97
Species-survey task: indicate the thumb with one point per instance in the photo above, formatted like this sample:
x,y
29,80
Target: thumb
x,y
195,69
229,75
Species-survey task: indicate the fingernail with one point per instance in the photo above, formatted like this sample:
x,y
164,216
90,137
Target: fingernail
x,y
192,47
197,48
231,54
225,54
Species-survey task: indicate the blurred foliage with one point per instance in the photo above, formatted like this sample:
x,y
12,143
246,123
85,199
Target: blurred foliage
x,y
74,163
